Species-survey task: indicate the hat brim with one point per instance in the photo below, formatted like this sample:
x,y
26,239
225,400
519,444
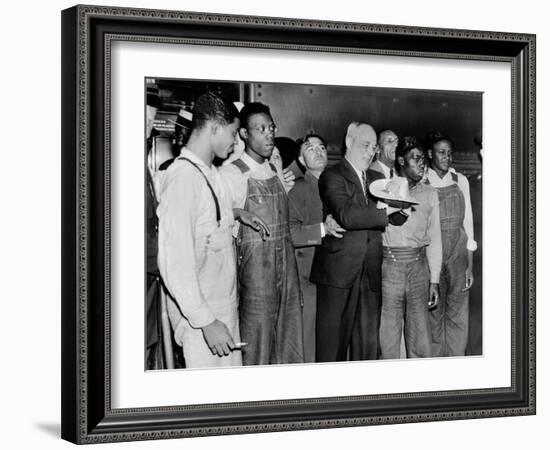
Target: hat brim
x,y
378,190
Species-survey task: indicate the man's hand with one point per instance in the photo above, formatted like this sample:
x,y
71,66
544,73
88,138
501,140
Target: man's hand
x,y
252,220
218,338
433,298
469,278
289,178
333,228
398,218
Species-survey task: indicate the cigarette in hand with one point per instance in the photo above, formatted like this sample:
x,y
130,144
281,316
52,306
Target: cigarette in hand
x,y
240,344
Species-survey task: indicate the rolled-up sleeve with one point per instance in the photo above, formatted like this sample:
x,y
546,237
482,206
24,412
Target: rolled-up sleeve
x,y
434,251
177,211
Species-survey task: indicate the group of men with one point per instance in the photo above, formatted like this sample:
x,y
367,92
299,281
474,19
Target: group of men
x,y
313,264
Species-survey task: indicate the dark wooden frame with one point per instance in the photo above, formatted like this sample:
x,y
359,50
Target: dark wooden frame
x,y
87,34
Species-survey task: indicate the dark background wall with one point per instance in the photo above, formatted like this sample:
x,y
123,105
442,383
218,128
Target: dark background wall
x,y
298,109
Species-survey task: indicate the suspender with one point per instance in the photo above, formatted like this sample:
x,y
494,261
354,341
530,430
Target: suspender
x,y
243,167
218,213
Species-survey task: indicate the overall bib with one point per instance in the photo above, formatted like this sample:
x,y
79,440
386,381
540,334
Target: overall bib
x,y
450,318
270,310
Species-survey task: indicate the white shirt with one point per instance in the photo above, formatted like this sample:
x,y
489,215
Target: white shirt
x,y
385,169
187,222
464,186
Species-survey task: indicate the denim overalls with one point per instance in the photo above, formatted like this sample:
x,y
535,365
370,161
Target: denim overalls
x,y
270,310
449,319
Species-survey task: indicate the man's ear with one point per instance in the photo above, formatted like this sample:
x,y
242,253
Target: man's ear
x,y
401,161
214,127
430,153
243,133
349,142
302,160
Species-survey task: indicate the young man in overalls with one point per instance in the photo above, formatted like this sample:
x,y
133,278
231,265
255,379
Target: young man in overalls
x,y
270,311
196,250
450,318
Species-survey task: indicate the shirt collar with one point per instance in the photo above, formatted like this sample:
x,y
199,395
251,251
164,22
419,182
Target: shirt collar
x,y
434,177
186,153
252,164
385,168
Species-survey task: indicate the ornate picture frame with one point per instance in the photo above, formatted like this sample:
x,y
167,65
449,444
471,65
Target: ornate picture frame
x,y
88,33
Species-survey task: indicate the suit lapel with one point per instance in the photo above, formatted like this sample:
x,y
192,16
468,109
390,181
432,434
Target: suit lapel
x,y
351,175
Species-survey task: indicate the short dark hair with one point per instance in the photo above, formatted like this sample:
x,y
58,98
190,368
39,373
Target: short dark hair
x,y
407,144
210,107
250,109
433,137
313,135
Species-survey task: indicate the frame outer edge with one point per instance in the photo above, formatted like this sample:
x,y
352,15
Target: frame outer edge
x,y
69,290
532,183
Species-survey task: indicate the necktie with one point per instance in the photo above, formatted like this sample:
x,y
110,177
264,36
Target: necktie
x,y
391,173
364,176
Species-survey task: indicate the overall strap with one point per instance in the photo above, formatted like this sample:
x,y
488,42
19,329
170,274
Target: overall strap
x,y
241,165
454,176
218,213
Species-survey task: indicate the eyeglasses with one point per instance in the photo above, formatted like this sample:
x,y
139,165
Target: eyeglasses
x,y
417,159
264,129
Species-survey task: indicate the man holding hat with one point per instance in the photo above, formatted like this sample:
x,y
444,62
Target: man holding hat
x,y
411,256
347,270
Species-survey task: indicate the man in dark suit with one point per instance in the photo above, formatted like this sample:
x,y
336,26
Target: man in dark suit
x,y
308,228
347,270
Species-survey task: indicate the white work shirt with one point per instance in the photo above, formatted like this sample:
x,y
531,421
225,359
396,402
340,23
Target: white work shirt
x,y
464,186
196,259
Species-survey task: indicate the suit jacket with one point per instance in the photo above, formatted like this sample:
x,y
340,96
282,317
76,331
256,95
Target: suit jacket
x,y
338,262
305,215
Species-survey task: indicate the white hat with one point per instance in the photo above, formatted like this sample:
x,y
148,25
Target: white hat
x,y
396,188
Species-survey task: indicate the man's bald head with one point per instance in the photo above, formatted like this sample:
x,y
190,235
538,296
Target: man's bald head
x,y
360,144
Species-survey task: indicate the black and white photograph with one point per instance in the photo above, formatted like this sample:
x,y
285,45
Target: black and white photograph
x,y
298,224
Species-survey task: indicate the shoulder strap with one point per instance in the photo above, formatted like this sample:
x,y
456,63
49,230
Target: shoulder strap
x,y
217,203
454,176
241,165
